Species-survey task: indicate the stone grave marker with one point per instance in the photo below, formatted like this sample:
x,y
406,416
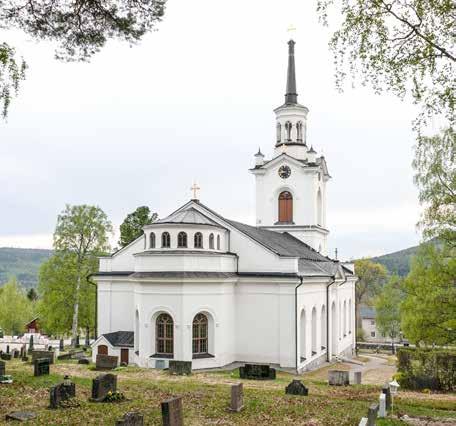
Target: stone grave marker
x,y
2,368
30,349
372,415
357,377
25,358
7,349
83,361
296,387
237,397
338,378
363,421
61,392
41,367
77,345
382,406
22,416
15,353
172,412
257,372
61,345
180,368
107,362
386,390
103,384
43,354
6,357
131,419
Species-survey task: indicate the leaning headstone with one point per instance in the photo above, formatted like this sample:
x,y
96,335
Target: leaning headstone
x,y
386,390
237,397
296,387
180,368
357,377
22,416
41,367
61,345
172,412
2,368
25,358
103,384
382,406
257,372
338,378
107,362
15,353
363,421
372,415
131,419
43,354
61,392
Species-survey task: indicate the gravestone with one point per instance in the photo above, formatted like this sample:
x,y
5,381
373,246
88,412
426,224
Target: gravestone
x,y
77,345
61,392
41,367
2,368
83,361
43,354
22,351
357,377
131,419
61,345
372,415
257,372
363,421
180,367
386,390
7,349
107,362
21,416
338,378
296,387
172,412
103,384
15,353
6,357
30,349
382,406
25,358
237,397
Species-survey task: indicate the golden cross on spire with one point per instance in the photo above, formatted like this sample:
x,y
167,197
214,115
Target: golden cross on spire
x,y
292,30
195,188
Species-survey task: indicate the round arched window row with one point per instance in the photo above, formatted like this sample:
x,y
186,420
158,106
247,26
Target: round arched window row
x,y
182,240
166,240
152,240
218,242
164,335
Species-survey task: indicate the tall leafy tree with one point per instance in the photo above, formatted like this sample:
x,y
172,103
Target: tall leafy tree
x,y
32,295
82,231
80,29
406,47
15,308
429,308
131,227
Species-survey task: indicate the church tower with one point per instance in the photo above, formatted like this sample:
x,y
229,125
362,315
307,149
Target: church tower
x,y
291,187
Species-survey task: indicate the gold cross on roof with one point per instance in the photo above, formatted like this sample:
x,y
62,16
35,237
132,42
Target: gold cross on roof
x,y
195,188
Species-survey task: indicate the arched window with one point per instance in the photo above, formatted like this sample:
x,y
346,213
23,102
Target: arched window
x,y
349,316
211,241
299,131
182,240
345,318
102,350
198,240
323,327
314,331
164,335
218,242
288,127
319,208
285,207
279,132
200,332
166,240
303,346
152,240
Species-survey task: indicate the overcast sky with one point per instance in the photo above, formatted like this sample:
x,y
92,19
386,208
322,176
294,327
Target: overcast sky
x,y
194,100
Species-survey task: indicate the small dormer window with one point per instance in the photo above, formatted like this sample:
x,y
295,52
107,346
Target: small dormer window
x,y
182,240
198,240
211,241
152,240
288,127
166,240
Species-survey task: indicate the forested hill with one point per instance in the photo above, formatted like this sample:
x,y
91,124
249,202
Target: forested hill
x,y
399,261
22,263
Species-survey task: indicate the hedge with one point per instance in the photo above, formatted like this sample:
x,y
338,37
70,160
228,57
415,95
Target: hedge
x,y
426,369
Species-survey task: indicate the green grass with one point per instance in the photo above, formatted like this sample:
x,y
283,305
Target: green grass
x,y
205,399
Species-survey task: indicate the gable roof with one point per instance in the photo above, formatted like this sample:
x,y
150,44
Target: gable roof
x,y
190,216
367,312
120,338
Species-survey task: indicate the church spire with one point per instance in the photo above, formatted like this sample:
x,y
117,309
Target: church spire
x,y
291,96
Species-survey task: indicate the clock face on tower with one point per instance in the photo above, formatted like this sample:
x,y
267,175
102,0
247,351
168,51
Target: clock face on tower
x,y
284,172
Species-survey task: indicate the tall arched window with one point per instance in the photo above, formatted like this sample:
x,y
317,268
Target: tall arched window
x,y
211,241
303,346
299,131
182,240
166,240
319,208
198,240
200,332
152,240
288,127
345,318
218,242
314,331
323,327
285,207
349,316
164,335
279,132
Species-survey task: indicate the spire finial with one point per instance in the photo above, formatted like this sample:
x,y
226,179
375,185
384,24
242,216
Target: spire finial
x,y
291,96
195,188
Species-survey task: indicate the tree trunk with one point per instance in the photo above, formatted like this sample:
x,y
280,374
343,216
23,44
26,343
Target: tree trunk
x,y
74,328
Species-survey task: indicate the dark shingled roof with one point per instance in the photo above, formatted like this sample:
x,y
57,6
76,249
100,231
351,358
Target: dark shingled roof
x,y
120,338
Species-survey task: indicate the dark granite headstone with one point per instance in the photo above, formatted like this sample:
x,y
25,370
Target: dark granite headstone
x,y
77,345
25,358
61,392
30,349
21,416
7,349
43,354
2,368
372,415
237,397
180,367
257,372
172,412
131,419
6,357
296,387
83,361
41,367
386,390
107,362
61,345
15,353
338,378
103,384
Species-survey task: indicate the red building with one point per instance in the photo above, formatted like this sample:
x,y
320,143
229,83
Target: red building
x,y
32,326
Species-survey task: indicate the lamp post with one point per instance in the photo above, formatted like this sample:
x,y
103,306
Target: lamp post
x,y
394,387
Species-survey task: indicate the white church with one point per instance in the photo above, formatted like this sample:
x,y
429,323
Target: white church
x,y
199,287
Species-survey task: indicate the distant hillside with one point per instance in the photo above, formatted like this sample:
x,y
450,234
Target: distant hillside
x,y
399,261
22,263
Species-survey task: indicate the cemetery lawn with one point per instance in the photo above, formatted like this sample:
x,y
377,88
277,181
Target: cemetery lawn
x,y
206,398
